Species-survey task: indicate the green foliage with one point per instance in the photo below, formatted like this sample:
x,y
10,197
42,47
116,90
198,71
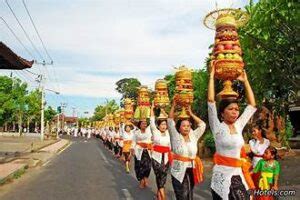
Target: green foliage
x,y
12,99
200,80
101,110
209,141
6,102
128,87
33,102
16,103
288,129
49,113
269,42
83,121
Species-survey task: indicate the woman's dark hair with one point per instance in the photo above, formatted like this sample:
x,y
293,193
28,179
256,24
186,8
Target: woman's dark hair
x,y
178,124
159,121
140,122
273,151
259,125
226,102
127,125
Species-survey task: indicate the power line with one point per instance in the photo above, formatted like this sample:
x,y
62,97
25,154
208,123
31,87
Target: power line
x,y
44,47
31,72
24,78
26,34
17,38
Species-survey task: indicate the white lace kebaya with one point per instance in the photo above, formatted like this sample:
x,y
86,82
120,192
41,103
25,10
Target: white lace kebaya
x,y
159,139
139,137
228,145
183,148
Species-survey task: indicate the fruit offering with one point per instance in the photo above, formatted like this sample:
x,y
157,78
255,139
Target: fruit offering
x,y
128,106
142,110
227,52
110,120
161,98
117,117
184,89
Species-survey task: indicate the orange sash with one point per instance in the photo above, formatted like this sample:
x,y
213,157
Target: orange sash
x,y
145,145
234,162
197,170
164,149
127,145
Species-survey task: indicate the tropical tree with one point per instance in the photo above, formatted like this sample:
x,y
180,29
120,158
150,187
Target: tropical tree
x,y
49,113
6,101
18,95
102,110
33,107
128,87
269,42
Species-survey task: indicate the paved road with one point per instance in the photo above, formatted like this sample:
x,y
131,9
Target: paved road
x,y
87,171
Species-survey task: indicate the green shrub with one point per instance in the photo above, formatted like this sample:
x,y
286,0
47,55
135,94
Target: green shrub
x,y
209,141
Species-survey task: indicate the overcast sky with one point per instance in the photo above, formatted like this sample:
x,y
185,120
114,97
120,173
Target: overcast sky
x,y
96,43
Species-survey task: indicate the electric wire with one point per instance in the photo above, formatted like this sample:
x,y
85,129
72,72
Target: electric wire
x,y
17,38
26,34
37,32
43,45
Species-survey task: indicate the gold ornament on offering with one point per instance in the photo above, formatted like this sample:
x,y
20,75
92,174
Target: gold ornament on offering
x,y
128,112
110,122
184,90
161,99
227,52
142,110
117,118
122,115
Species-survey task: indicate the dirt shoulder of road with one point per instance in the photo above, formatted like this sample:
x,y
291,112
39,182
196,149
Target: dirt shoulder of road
x,y
16,167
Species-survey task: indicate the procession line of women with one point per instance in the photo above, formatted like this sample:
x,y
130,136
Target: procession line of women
x,y
164,145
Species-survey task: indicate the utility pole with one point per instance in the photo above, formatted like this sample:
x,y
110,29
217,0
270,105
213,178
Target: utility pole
x,y
40,80
57,125
63,106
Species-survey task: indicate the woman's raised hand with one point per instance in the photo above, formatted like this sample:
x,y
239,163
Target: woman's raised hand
x,y
243,77
212,68
174,103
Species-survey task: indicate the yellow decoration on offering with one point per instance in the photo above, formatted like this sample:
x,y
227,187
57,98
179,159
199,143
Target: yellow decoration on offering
x,y
184,90
227,51
143,109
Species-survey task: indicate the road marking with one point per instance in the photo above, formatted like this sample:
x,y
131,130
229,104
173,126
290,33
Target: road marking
x,y
127,194
64,148
46,163
103,156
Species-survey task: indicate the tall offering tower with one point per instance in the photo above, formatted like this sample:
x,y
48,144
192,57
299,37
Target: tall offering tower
x,y
227,52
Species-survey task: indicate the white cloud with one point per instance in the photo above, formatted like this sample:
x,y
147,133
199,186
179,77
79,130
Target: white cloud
x,y
116,36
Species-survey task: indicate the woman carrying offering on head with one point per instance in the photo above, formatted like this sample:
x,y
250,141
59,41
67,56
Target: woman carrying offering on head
x,y
231,178
142,146
126,136
161,154
186,168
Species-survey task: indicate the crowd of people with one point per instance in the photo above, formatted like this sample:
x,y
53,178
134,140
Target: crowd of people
x,y
168,145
